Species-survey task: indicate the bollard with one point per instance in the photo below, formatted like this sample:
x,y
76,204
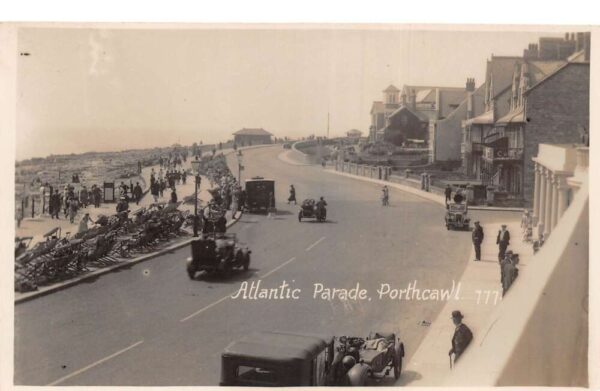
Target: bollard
x,y
32,207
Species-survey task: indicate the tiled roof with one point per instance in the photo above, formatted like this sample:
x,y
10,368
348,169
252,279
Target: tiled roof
x,y
500,70
252,132
377,107
556,72
417,113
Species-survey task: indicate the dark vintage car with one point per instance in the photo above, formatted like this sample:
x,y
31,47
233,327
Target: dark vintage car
x,y
260,194
278,359
309,210
218,253
456,216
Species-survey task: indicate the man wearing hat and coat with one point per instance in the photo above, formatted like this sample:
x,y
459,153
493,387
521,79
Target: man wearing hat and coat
x,y
477,237
462,336
502,240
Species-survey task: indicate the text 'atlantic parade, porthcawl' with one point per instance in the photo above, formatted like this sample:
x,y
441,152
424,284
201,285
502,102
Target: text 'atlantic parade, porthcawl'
x,y
254,290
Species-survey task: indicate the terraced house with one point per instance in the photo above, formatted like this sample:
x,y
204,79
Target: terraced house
x,y
541,97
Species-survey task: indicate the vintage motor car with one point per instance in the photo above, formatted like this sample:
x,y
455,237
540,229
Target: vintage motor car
x,y
279,359
260,194
456,216
380,352
308,209
217,253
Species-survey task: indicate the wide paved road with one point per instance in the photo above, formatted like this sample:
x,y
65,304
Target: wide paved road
x,y
151,325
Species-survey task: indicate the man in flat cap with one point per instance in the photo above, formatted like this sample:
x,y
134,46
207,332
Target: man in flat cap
x,y
462,336
502,240
477,237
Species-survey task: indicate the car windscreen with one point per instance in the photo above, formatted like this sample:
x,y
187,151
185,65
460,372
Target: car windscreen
x,y
259,376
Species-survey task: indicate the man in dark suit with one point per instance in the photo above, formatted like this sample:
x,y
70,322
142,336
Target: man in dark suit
x,y
462,336
502,240
477,237
448,193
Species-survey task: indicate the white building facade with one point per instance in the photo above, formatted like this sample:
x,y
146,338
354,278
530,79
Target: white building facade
x,y
559,172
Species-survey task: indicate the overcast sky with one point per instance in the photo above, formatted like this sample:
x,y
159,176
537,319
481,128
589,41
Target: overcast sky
x,y
98,90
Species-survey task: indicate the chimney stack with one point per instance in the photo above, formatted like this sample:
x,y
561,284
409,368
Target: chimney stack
x,y
470,86
413,99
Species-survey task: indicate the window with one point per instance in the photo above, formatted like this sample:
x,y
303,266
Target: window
x,y
257,376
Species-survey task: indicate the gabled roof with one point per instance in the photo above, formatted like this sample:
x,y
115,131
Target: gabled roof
x,y
377,107
416,113
499,71
391,88
555,73
252,132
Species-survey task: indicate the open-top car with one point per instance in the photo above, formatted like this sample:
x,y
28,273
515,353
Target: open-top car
x,y
456,216
279,359
309,209
380,352
219,252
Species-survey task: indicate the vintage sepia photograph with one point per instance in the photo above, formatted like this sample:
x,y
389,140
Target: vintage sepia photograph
x,y
301,205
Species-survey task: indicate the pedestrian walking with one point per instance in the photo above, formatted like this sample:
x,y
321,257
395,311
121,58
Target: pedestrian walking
x,y
173,196
385,196
161,187
462,336
502,240
448,193
155,191
73,208
184,177
477,237
84,197
97,193
292,196
137,193
55,202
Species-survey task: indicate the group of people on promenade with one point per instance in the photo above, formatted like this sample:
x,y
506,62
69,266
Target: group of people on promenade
x,y
71,202
161,181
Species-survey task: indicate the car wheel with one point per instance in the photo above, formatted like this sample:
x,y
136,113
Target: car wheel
x,y
227,269
247,263
191,271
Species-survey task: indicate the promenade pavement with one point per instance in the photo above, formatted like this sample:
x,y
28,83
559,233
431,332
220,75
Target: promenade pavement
x,y
39,225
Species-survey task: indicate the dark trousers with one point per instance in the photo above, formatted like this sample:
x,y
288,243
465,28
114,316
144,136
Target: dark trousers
x,y
502,250
477,246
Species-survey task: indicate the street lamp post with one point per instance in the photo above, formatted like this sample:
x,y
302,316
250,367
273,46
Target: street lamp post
x,y
197,180
240,168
